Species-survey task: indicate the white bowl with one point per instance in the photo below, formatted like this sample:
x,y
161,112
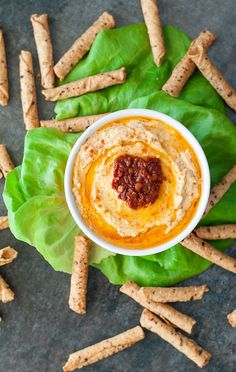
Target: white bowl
x,y
201,159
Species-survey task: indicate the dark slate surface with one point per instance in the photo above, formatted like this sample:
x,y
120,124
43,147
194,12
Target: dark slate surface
x,y
39,331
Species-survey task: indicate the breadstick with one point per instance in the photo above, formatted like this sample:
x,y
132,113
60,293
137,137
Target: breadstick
x,y
44,48
182,343
4,93
82,45
89,84
182,294
216,232
167,312
104,349
186,67
6,164
152,19
28,91
207,251
77,124
6,294
7,255
79,277
232,318
4,222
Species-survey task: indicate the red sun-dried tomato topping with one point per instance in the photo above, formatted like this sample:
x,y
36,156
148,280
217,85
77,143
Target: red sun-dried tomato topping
x,y
137,180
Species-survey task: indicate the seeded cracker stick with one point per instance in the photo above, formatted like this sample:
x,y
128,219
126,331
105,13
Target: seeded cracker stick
x,y
232,318
182,294
89,84
166,312
182,343
7,255
28,91
4,222
186,67
79,277
207,251
77,124
4,93
6,294
218,191
153,22
104,349
6,164
44,48
216,232
82,45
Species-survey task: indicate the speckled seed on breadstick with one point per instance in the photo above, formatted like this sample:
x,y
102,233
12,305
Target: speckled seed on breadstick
x,y
44,48
86,85
77,124
104,349
207,251
152,19
218,191
216,232
174,294
182,343
6,294
232,318
4,222
6,164
4,93
28,91
79,276
186,67
7,255
82,45
165,311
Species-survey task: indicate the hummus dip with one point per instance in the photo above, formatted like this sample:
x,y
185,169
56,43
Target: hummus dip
x,y
120,166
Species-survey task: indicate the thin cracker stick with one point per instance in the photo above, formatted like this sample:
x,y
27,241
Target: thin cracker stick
x,y
44,48
216,232
232,318
218,191
152,20
77,124
167,312
213,75
174,294
6,164
88,84
186,67
7,255
79,277
182,343
28,91
6,294
104,349
4,90
207,251
82,45
4,224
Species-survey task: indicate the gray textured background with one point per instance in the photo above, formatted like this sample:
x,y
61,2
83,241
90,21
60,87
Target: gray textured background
x,y
39,331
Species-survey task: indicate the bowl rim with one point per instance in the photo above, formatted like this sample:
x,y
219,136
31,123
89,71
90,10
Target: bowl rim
x,y
151,114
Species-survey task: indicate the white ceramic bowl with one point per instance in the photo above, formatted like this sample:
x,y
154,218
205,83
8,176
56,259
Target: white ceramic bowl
x,y
201,159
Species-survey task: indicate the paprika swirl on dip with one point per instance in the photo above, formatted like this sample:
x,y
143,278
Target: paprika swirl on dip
x,y
137,182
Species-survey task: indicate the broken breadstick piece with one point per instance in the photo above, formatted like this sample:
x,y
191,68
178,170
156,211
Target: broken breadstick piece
x,y
79,277
186,67
88,84
44,48
77,124
218,191
232,318
176,294
182,343
152,19
103,349
7,255
207,251
82,45
6,164
4,92
28,91
4,222
216,232
6,294
165,311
